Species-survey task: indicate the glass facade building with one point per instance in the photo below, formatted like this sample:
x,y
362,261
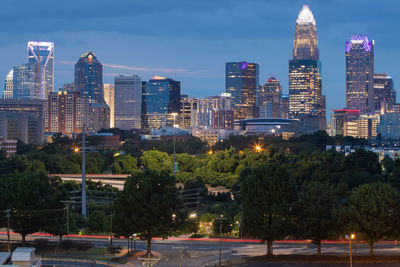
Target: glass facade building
x,y
42,55
25,82
89,78
128,102
384,94
360,74
160,99
242,82
306,101
305,88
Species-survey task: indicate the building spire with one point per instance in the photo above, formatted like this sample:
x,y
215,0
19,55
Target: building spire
x,y
305,16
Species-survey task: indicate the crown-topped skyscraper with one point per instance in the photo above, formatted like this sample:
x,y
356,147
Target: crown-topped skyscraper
x,y
305,84
305,38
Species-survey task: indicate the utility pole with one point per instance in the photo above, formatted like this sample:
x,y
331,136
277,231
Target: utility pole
x,y
111,225
84,209
180,254
220,238
174,114
8,230
67,203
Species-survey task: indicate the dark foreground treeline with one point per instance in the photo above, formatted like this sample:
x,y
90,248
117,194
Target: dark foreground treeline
x,y
288,189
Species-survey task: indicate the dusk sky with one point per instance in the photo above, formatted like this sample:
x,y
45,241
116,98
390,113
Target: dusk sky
x,y
190,41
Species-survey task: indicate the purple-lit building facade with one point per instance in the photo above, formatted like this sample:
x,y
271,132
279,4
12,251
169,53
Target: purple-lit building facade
x,y
360,74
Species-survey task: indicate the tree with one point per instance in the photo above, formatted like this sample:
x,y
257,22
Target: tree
x,y
26,194
156,160
372,212
267,193
149,206
222,226
98,222
316,211
124,164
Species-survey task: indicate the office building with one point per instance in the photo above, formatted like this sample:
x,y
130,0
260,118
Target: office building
x,y
89,82
360,74
22,119
242,82
128,102
189,112
7,92
41,54
89,78
269,98
305,81
285,106
223,119
389,126
65,112
25,82
109,99
351,122
68,87
160,103
384,94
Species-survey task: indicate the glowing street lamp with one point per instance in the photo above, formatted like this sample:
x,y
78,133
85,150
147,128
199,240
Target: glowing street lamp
x,y
350,238
193,215
257,148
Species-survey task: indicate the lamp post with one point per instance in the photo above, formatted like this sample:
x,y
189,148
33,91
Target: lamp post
x,y
350,237
174,115
220,238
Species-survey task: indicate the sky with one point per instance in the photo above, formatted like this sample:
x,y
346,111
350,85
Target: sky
x,y
190,41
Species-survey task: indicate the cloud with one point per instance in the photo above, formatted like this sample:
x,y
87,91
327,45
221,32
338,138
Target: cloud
x,y
166,70
133,68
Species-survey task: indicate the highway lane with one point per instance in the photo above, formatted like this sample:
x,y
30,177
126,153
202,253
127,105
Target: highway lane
x,y
200,252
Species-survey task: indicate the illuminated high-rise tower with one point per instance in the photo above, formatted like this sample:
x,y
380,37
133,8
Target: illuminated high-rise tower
x,y
305,83
89,82
42,55
305,38
241,82
89,78
269,98
360,74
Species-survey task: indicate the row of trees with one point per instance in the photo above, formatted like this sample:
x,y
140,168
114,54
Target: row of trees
x,y
275,207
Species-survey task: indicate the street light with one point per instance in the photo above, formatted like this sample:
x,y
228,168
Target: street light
x,y
350,237
193,215
257,148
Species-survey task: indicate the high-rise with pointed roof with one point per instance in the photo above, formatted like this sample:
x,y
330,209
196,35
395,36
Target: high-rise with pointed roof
x,y
360,74
305,82
305,38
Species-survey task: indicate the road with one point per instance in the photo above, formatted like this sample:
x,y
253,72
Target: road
x,y
203,251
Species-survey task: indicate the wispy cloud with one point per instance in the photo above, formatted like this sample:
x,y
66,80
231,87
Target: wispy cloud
x,y
134,68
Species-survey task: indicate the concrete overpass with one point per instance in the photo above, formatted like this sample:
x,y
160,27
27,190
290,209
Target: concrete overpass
x,y
115,180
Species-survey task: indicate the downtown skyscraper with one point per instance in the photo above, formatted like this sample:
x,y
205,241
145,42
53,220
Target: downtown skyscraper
x,y
161,99
89,78
127,102
241,82
305,82
360,74
41,55
89,83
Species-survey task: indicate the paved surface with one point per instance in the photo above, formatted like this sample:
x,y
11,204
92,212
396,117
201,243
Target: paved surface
x,y
201,252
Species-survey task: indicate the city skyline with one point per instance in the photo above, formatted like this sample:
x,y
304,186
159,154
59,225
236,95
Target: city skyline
x,y
177,51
